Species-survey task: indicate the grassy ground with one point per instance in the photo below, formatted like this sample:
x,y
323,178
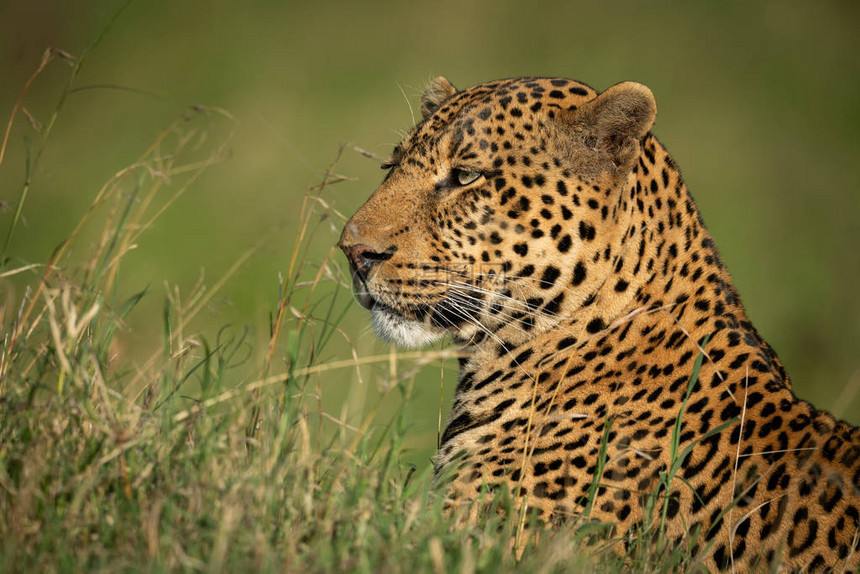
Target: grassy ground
x,y
756,102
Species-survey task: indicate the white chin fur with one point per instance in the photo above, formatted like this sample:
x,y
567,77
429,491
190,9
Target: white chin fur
x,y
402,331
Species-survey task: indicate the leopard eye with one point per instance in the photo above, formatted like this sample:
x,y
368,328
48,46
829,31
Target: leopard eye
x,y
463,177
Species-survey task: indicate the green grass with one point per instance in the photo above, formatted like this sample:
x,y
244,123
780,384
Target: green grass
x,y
217,451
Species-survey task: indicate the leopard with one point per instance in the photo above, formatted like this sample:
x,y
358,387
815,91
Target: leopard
x,y
605,356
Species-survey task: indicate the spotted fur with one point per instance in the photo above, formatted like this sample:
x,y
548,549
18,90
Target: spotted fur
x,y
544,228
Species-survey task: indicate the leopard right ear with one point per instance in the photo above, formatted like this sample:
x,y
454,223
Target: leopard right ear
x,y
603,134
440,89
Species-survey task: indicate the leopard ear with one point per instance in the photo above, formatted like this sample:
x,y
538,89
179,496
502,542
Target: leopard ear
x,y
440,89
611,125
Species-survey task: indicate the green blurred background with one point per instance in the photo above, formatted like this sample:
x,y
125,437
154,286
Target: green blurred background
x,y
758,102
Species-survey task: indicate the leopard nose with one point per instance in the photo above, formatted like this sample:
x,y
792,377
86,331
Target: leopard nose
x,y
362,257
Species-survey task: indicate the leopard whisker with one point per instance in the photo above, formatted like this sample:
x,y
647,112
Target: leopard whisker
x,y
466,317
475,306
522,307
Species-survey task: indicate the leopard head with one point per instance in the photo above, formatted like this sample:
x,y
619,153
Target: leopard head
x,y
497,209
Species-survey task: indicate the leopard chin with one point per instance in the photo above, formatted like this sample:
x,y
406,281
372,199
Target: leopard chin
x,y
402,331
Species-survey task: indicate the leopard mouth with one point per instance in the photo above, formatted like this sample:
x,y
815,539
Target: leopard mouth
x,y
372,303
361,291
377,307
393,326
365,299
412,324
448,312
